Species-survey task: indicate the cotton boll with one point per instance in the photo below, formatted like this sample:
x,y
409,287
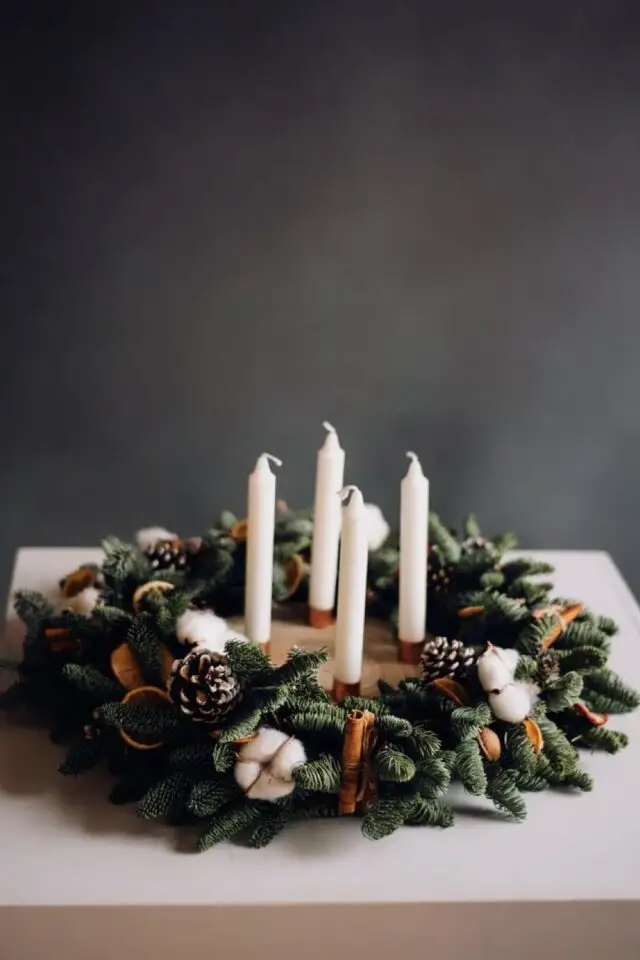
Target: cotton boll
x,y
290,755
377,527
149,536
513,703
264,746
84,602
246,773
509,657
202,628
493,671
268,787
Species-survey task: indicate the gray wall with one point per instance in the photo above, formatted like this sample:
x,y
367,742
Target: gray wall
x,y
227,222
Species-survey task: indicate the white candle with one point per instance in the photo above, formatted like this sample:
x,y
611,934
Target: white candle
x,y
260,532
352,589
326,523
414,526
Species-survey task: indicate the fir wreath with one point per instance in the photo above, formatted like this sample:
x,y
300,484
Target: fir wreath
x,y
269,745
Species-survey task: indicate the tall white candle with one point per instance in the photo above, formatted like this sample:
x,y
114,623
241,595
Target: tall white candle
x,y
352,589
414,526
326,523
260,532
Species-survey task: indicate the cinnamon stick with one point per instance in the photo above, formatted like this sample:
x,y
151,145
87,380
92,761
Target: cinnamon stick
x,y
354,733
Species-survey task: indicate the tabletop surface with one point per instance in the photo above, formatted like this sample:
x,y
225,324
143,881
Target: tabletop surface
x,y
63,843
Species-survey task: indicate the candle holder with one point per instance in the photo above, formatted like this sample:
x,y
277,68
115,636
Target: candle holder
x,y
366,686
320,619
410,652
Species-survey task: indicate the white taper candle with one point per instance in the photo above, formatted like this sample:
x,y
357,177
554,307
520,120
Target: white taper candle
x,y
352,589
414,531
326,523
260,533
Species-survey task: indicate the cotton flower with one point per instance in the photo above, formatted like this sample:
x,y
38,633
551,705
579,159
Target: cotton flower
x,y
202,628
377,527
265,765
496,667
83,603
514,702
149,536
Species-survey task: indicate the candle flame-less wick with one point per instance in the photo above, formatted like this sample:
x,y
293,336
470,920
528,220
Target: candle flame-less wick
x,y
270,456
346,492
328,427
413,456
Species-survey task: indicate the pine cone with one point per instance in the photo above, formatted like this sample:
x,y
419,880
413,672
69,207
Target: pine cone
x,y
442,657
204,687
471,544
168,555
548,668
440,575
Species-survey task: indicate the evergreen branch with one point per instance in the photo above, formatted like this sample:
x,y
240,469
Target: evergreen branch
x,y
492,580
243,726
470,768
394,726
601,738
192,755
558,752
319,721
607,625
424,744
520,748
32,608
377,707
266,830
248,661
92,683
525,567
582,659
298,665
139,721
321,776
163,797
145,646
393,765
502,790
606,692
209,796
471,527
83,756
229,823
385,817
433,813
563,693
505,541
582,633
433,777
443,539
467,722
223,757
529,781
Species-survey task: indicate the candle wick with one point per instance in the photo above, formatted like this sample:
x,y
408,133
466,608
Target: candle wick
x,y
346,492
328,427
270,456
413,456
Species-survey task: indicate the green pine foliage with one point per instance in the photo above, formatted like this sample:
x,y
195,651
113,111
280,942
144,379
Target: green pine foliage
x,y
423,738
606,692
82,756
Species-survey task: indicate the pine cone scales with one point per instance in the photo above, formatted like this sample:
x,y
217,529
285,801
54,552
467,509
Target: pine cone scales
x,y
442,657
167,555
204,687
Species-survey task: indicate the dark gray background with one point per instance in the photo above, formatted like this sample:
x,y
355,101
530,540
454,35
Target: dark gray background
x,y
228,221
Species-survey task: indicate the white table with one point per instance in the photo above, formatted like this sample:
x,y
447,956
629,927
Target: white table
x,y
83,880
